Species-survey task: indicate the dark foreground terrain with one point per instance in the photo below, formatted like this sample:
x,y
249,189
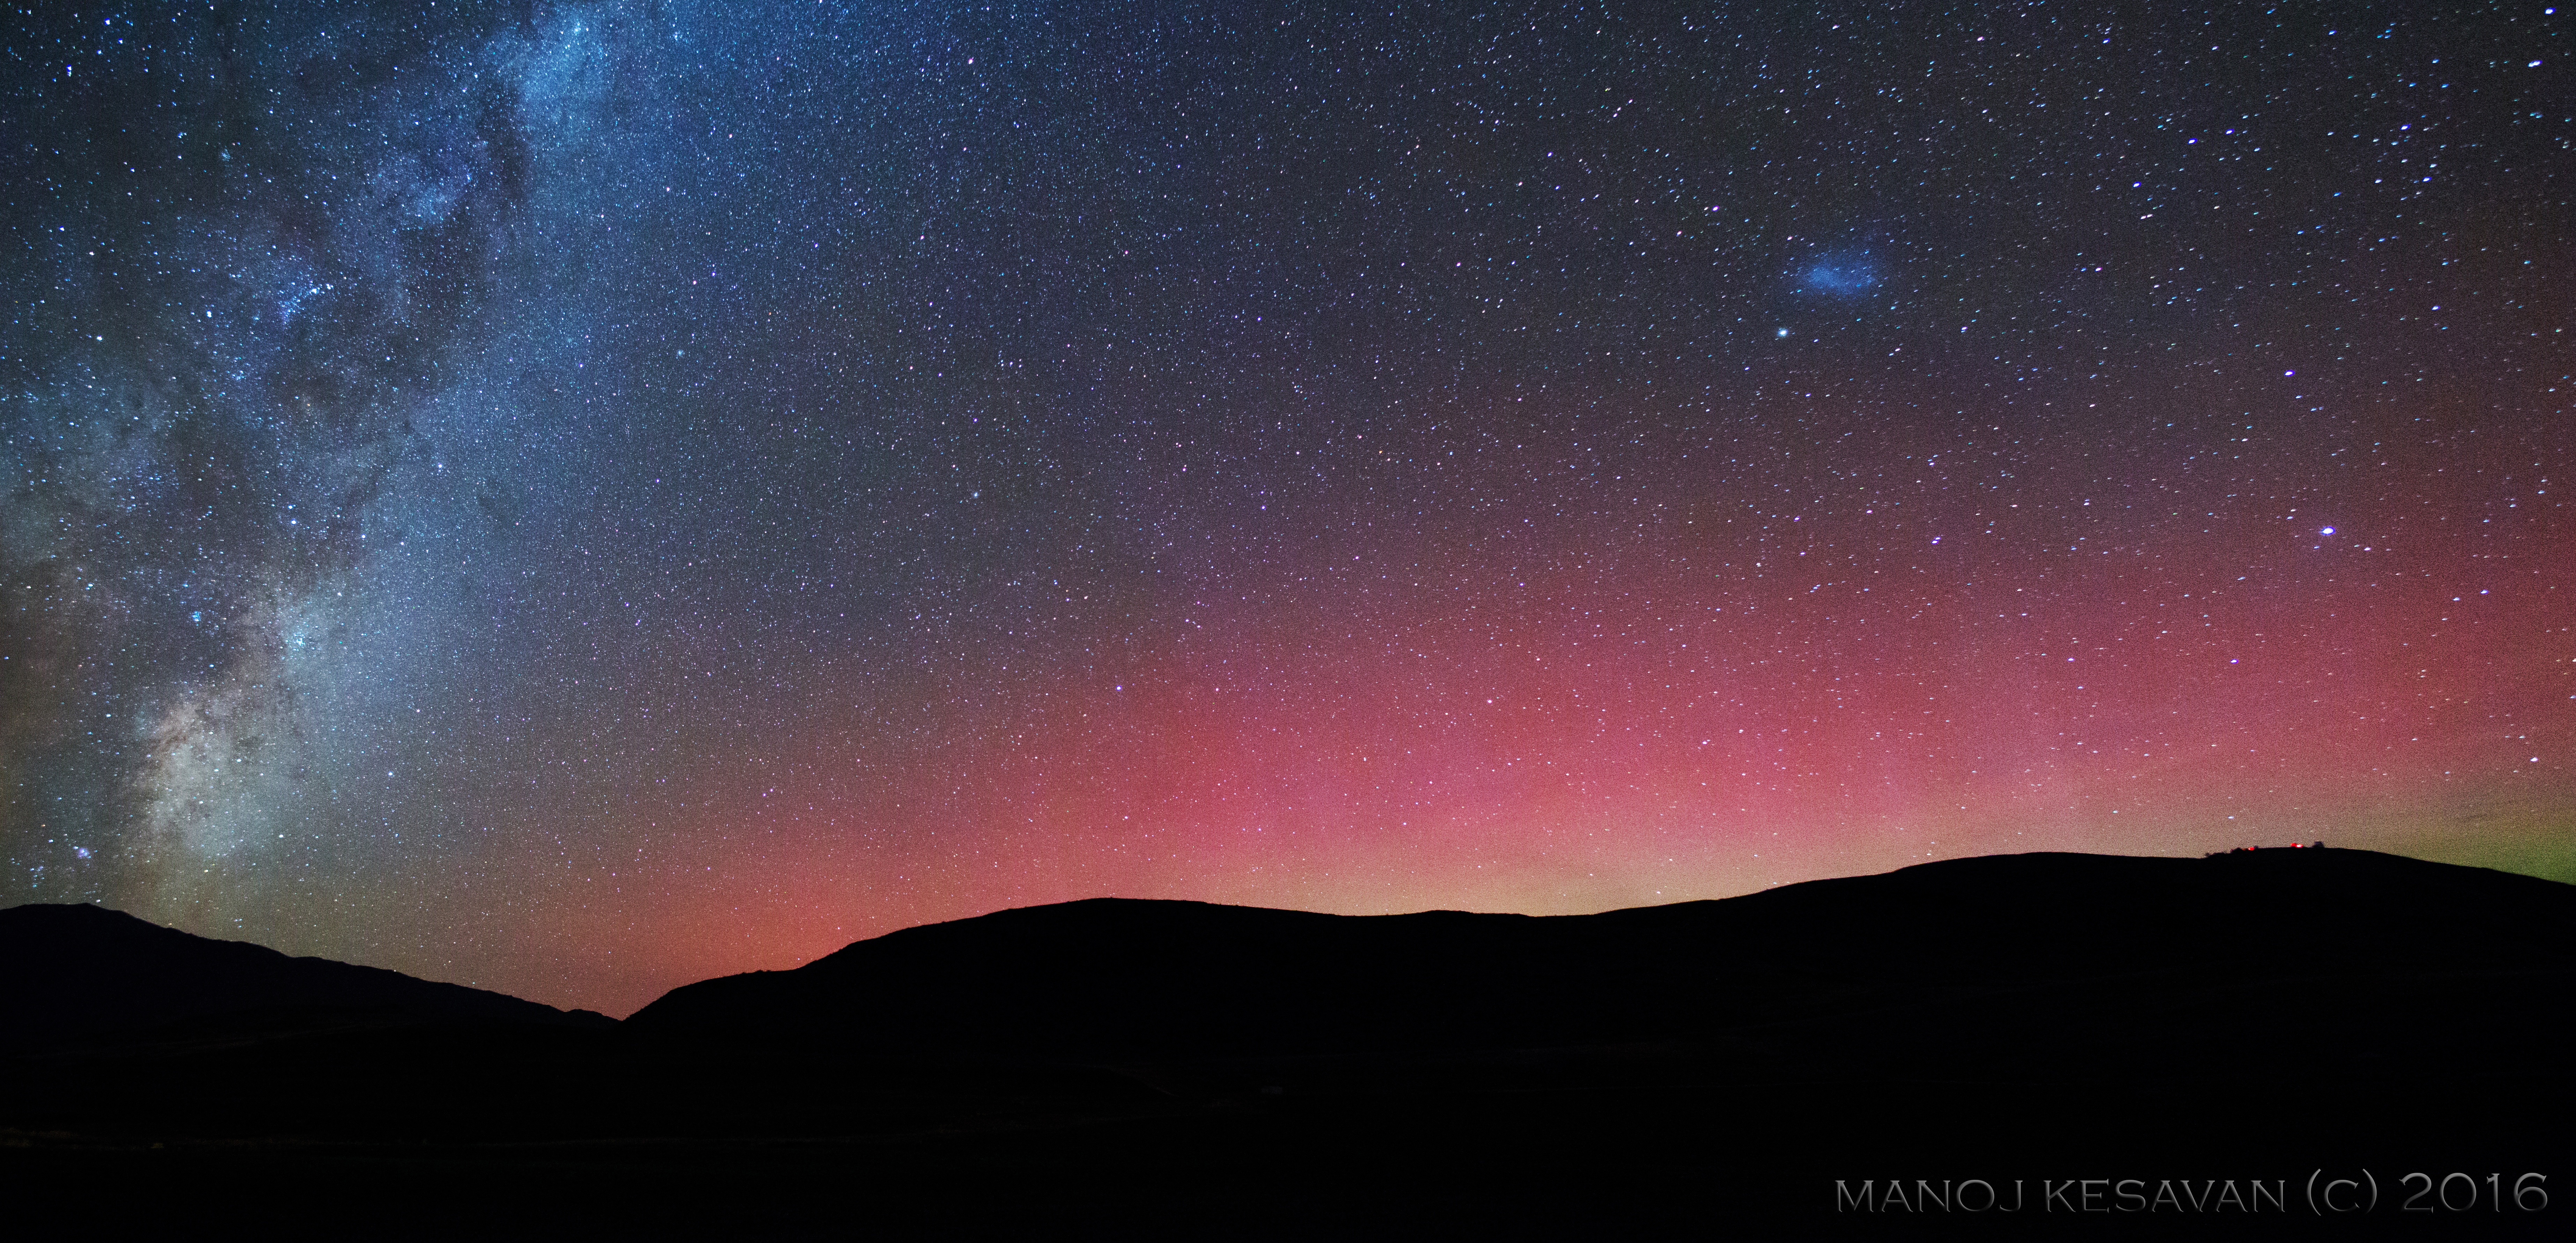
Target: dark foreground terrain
x,y
2235,1034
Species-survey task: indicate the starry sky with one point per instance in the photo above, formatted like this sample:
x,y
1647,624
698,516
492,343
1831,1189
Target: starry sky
x,y
579,498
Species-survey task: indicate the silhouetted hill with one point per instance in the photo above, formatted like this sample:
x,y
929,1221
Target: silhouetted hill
x,y
2183,961
85,971
2028,1017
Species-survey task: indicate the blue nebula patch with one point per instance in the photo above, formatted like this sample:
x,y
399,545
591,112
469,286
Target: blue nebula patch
x,y
1839,275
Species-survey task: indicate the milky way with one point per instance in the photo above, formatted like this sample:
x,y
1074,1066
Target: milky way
x,y
580,498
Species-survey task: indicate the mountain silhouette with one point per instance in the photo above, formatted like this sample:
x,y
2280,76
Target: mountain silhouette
x,y
79,971
2175,953
2260,1013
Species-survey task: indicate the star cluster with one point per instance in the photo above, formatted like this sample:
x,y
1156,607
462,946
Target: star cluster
x,y
582,497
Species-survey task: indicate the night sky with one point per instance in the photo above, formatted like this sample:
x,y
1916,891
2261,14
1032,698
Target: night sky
x,y
578,498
